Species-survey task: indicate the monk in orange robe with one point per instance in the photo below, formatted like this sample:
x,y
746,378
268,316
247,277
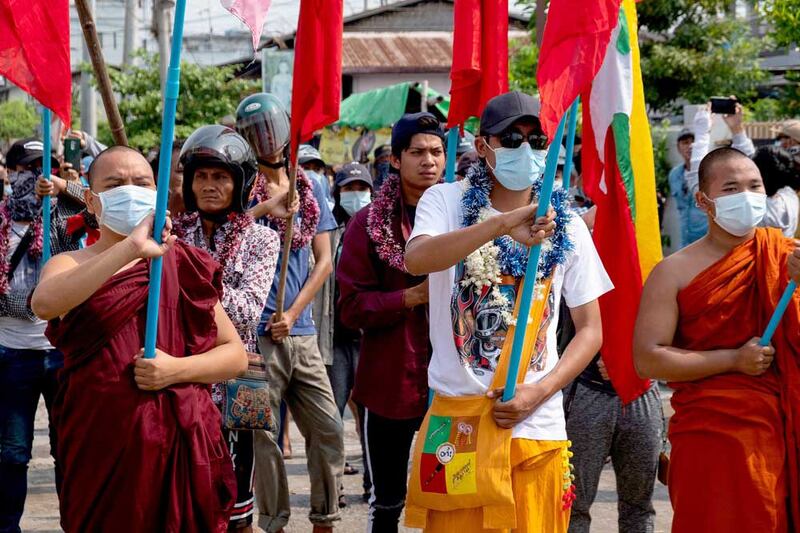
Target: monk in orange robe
x,y
735,431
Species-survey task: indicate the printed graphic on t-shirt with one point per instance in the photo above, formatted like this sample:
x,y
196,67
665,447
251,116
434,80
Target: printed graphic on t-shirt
x,y
479,326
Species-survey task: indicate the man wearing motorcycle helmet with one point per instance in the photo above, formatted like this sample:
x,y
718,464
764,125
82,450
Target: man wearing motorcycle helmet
x,y
219,169
295,369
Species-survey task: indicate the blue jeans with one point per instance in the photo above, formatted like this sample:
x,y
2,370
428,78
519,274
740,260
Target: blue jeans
x,y
24,375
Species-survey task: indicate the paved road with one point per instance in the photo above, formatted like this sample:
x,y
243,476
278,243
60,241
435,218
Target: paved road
x,y
41,512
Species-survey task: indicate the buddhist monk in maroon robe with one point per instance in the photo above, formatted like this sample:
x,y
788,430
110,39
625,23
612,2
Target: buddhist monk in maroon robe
x,y
735,431
140,442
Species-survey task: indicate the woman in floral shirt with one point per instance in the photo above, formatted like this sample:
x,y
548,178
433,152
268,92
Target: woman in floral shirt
x,y
219,171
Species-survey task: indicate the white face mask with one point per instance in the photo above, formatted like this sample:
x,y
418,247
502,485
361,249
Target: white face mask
x,y
124,207
353,201
741,212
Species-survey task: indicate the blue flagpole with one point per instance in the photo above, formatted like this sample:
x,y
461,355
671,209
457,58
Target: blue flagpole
x,y
452,146
571,127
171,92
778,314
533,265
46,171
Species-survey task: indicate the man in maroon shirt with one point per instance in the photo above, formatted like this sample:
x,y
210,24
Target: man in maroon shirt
x,y
389,306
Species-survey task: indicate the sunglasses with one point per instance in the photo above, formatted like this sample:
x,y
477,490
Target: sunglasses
x,y
514,139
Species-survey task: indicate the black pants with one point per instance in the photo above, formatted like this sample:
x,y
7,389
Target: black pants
x,y
388,447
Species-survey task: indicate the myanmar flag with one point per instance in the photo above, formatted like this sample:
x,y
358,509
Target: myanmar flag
x,y
619,177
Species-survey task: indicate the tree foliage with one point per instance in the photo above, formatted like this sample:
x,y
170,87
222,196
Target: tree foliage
x,y
784,19
207,95
522,67
18,119
690,53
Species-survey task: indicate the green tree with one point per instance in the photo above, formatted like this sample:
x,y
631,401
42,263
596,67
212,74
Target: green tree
x,y
691,51
207,95
522,66
18,119
783,17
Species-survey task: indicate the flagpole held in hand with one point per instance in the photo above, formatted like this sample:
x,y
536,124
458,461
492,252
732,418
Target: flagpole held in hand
x,y
571,127
287,246
46,171
452,146
532,269
171,92
778,314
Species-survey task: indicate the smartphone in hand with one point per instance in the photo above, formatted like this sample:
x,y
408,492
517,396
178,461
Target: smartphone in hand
x,y
72,152
723,106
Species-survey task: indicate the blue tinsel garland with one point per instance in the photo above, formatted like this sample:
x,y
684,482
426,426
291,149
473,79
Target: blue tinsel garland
x,y
513,257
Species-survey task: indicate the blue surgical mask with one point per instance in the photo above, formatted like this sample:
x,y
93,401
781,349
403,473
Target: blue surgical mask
x,y
8,191
353,201
518,168
123,208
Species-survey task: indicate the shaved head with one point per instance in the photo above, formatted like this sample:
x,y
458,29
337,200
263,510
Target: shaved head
x,y
717,163
115,157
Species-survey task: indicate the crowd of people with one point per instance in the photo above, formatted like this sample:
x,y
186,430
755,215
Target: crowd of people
x,y
398,301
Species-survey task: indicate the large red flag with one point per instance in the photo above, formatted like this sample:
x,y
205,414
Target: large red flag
x,y
574,44
34,51
317,84
480,57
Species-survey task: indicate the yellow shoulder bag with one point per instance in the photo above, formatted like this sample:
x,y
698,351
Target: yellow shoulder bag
x,y
462,458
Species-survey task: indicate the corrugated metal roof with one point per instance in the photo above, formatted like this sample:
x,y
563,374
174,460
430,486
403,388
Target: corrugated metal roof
x,y
397,52
364,52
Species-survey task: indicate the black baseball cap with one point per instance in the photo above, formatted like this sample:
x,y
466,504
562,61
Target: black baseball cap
x,y
685,134
413,124
25,152
352,172
504,110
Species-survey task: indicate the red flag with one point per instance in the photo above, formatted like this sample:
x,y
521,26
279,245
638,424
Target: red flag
x,y
574,44
317,83
34,51
480,57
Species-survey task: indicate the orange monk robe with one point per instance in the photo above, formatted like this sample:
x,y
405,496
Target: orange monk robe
x,y
734,461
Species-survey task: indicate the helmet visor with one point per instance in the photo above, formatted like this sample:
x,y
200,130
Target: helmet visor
x,y
267,133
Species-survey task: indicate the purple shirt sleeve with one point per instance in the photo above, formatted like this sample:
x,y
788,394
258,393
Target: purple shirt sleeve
x,y
362,303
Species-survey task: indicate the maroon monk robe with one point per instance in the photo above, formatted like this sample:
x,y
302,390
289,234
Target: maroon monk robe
x,y
134,460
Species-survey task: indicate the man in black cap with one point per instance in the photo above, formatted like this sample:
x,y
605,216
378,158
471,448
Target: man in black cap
x,y
472,238
352,192
389,306
28,362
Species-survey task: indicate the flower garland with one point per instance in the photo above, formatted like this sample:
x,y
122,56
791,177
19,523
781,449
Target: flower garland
x,y
384,208
34,251
234,230
309,211
485,266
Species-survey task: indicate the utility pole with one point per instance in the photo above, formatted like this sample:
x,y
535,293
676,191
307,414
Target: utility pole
x,y
88,96
129,45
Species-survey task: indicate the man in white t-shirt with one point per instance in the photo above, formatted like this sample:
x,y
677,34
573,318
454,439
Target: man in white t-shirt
x,y
467,327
